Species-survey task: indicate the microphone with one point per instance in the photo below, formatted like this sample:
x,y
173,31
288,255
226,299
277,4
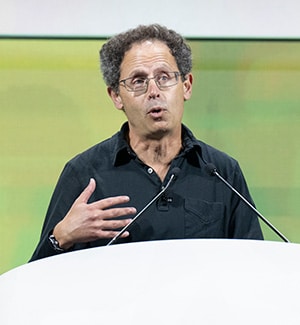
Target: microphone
x,y
174,173
212,170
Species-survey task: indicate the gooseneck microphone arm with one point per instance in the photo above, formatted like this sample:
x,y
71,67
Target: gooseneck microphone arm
x,y
175,172
212,170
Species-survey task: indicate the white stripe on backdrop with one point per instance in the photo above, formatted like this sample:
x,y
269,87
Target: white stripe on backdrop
x,y
192,18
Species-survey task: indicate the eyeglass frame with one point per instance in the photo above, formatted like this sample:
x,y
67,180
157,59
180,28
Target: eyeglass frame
x,y
177,74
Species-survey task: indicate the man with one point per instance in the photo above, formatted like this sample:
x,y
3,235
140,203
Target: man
x,y
148,74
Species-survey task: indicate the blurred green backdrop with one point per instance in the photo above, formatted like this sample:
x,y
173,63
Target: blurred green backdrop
x,y
53,105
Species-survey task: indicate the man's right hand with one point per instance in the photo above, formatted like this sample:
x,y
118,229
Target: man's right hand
x,y
91,221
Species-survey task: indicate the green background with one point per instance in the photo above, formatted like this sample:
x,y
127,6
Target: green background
x,y
53,105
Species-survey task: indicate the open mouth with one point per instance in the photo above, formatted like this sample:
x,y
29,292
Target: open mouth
x,y
156,112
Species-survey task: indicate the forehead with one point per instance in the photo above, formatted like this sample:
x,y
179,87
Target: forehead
x,y
147,56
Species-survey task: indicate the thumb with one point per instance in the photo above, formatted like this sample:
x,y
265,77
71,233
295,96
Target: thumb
x,y
87,192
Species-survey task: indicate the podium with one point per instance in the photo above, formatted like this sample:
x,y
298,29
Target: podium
x,y
201,281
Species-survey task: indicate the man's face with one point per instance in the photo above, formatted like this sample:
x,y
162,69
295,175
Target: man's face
x,y
156,111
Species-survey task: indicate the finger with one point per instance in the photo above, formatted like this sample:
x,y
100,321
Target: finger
x,y
87,192
116,212
125,234
114,224
112,234
110,201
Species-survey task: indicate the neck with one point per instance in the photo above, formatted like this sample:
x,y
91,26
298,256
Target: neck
x,y
157,153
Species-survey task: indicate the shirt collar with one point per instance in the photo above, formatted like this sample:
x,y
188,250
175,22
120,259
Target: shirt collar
x,y
122,153
191,147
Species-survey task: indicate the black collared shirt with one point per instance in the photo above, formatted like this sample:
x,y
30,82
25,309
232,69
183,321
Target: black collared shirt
x,y
196,205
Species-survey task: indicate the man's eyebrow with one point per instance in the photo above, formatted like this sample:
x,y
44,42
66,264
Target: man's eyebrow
x,y
138,72
143,73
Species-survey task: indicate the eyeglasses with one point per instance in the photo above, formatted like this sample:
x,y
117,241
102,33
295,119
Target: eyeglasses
x,y
140,84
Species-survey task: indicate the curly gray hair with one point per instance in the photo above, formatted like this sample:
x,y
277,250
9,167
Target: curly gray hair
x,y
112,52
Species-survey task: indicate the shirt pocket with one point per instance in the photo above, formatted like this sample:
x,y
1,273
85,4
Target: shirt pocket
x,y
204,219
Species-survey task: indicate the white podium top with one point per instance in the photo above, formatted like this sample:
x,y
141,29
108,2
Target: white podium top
x,y
164,282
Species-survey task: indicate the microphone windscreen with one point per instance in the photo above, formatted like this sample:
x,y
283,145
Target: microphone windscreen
x,y
210,169
175,171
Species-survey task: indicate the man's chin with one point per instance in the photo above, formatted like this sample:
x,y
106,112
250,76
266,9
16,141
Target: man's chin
x,y
159,131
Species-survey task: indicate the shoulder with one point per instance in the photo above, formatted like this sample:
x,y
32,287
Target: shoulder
x,y
215,155
98,155
226,165
210,154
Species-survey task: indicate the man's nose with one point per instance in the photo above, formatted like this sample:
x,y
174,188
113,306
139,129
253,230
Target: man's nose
x,y
153,89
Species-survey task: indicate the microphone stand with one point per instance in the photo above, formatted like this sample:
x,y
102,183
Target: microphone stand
x,y
157,196
215,172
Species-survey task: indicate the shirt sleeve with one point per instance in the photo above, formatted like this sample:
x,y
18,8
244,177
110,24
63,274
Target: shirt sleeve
x,y
244,221
68,188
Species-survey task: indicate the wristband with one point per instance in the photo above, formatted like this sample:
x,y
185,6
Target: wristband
x,y
55,244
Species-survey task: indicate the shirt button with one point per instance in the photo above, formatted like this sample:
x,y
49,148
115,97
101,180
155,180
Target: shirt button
x,y
150,170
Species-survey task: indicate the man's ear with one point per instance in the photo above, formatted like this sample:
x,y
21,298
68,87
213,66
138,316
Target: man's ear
x,y
187,86
117,100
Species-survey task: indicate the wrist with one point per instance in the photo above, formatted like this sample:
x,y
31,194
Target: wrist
x,y
61,238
